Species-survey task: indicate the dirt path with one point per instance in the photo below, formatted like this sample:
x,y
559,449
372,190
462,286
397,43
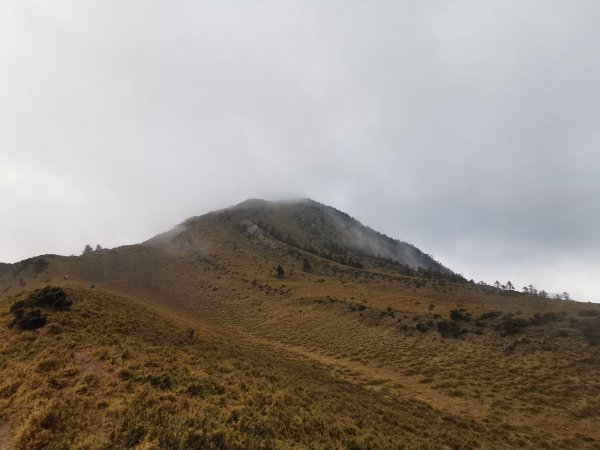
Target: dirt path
x,y
88,365
388,381
402,386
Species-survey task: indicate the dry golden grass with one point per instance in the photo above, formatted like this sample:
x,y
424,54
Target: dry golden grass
x,y
111,373
327,359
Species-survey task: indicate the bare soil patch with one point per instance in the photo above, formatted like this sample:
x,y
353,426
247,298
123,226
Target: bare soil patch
x,y
87,364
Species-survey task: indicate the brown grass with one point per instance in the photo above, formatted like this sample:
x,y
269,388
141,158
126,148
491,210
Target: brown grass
x,y
327,359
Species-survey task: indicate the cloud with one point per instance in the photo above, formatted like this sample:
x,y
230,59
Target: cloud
x,y
469,129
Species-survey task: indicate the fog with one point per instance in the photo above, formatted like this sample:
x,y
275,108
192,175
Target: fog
x,y
469,129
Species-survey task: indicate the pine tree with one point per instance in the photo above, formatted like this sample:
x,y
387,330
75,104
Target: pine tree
x,y
280,271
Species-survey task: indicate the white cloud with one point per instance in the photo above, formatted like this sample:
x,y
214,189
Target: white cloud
x,y
458,126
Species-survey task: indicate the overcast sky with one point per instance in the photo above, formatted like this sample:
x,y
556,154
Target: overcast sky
x,y
468,128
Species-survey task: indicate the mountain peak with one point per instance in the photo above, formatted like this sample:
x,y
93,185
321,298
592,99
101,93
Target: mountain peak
x,y
312,227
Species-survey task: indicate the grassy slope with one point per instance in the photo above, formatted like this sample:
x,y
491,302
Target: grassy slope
x,y
111,372
324,359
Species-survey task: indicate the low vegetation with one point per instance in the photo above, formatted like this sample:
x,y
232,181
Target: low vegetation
x,y
195,340
26,314
133,379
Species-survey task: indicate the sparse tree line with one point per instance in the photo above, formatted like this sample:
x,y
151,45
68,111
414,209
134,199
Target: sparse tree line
x,y
89,250
529,289
333,251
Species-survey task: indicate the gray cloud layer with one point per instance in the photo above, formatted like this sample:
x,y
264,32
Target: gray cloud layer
x,y
468,128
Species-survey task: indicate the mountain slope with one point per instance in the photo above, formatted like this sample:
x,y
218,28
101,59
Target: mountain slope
x,y
192,339
309,226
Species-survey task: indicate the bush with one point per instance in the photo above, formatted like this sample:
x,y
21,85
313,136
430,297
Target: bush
x,y
448,328
511,325
541,319
421,327
26,312
48,297
460,314
31,320
591,332
280,272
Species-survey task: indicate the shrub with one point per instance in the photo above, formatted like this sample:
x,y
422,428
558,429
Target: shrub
x,y
26,312
421,327
591,332
48,297
31,320
548,317
448,328
125,374
280,272
195,390
460,314
511,325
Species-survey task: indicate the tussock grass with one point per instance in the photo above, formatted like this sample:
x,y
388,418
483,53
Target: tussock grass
x,y
110,373
202,346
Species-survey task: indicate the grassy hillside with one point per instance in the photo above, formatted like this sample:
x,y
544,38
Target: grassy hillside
x,y
191,340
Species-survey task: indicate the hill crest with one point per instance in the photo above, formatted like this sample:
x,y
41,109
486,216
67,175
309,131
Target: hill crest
x,y
306,225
